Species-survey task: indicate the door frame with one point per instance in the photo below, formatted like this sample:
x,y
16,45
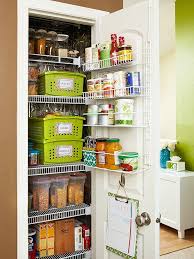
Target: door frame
x,y
58,10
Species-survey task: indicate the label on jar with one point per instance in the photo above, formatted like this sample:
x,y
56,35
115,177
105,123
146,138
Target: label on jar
x,y
64,128
101,158
65,83
116,157
64,151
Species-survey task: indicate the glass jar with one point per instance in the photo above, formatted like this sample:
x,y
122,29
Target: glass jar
x,y
125,53
112,149
50,48
100,152
32,88
62,46
31,43
40,41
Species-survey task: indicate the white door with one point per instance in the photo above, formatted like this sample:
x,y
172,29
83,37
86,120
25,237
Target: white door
x,y
139,25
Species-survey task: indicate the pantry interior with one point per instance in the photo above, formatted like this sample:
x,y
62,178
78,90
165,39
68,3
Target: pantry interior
x,y
82,100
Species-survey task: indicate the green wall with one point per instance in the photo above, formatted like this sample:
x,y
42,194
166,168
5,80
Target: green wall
x,y
185,80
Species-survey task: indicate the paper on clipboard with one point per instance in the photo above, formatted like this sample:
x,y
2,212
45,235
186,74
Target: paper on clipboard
x,y
121,227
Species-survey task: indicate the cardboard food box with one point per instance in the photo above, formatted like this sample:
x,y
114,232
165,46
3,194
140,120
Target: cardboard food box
x,y
78,238
86,236
50,238
64,236
41,234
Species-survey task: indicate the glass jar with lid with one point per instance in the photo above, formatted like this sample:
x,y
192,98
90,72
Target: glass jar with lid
x,y
40,41
62,45
113,148
31,42
125,53
50,48
100,152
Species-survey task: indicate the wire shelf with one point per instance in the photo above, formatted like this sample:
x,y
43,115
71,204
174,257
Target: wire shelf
x,y
37,58
76,255
55,99
110,64
116,126
55,169
127,93
135,172
53,214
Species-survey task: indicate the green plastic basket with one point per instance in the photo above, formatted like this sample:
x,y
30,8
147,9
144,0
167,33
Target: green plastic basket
x,y
56,128
59,83
57,152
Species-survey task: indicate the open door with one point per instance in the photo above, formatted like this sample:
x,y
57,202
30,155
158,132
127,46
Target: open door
x,y
139,24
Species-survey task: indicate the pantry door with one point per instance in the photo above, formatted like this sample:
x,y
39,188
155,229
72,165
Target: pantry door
x,y
139,24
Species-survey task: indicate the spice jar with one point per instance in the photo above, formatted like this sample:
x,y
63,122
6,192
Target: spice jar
x,y
112,149
76,188
40,190
40,41
58,191
50,47
62,45
33,157
31,43
100,152
125,53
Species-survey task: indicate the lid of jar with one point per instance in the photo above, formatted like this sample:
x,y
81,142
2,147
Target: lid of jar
x,y
111,140
124,155
62,37
31,32
42,180
125,46
75,175
52,34
34,151
101,139
60,178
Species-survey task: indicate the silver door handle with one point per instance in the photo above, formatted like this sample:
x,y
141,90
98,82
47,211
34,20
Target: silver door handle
x,y
143,219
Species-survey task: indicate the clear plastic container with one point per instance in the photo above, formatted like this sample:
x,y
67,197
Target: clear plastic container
x,y
30,196
58,191
76,188
40,190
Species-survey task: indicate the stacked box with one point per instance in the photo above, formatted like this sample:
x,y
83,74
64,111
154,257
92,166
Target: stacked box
x,y
50,238
41,239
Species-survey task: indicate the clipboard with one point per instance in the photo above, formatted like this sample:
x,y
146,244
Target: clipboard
x,y
122,231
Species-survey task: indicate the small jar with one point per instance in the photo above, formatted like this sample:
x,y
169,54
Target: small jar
x,y
62,46
100,152
32,88
125,53
50,48
108,88
40,41
113,148
33,157
31,43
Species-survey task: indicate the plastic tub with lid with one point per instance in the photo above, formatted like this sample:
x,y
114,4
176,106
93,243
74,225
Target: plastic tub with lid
x,y
40,190
58,191
76,188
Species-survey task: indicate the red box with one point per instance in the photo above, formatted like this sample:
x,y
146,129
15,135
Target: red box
x,y
86,236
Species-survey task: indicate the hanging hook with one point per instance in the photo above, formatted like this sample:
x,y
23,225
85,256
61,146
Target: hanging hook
x,y
122,181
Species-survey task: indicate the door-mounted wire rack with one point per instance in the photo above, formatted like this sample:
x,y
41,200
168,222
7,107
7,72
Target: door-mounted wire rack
x,y
85,254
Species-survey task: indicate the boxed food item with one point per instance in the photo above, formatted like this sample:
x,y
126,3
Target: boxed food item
x,y
86,236
64,236
78,237
76,188
41,239
50,238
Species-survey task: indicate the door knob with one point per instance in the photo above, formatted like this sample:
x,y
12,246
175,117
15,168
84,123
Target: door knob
x,y
143,219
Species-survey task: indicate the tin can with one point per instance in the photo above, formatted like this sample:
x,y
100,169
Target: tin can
x,y
108,88
105,55
88,55
32,243
133,79
93,108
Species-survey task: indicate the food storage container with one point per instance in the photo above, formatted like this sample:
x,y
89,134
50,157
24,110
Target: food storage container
x,y
91,85
92,119
50,47
33,157
89,155
93,108
108,88
32,88
31,243
124,109
105,55
113,148
40,189
120,83
100,152
40,41
128,161
58,191
76,188
31,43
125,53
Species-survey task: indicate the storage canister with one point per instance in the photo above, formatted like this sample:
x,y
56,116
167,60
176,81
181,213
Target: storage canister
x,y
40,41
105,55
103,118
58,191
76,188
125,53
128,161
120,83
124,111
113,147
